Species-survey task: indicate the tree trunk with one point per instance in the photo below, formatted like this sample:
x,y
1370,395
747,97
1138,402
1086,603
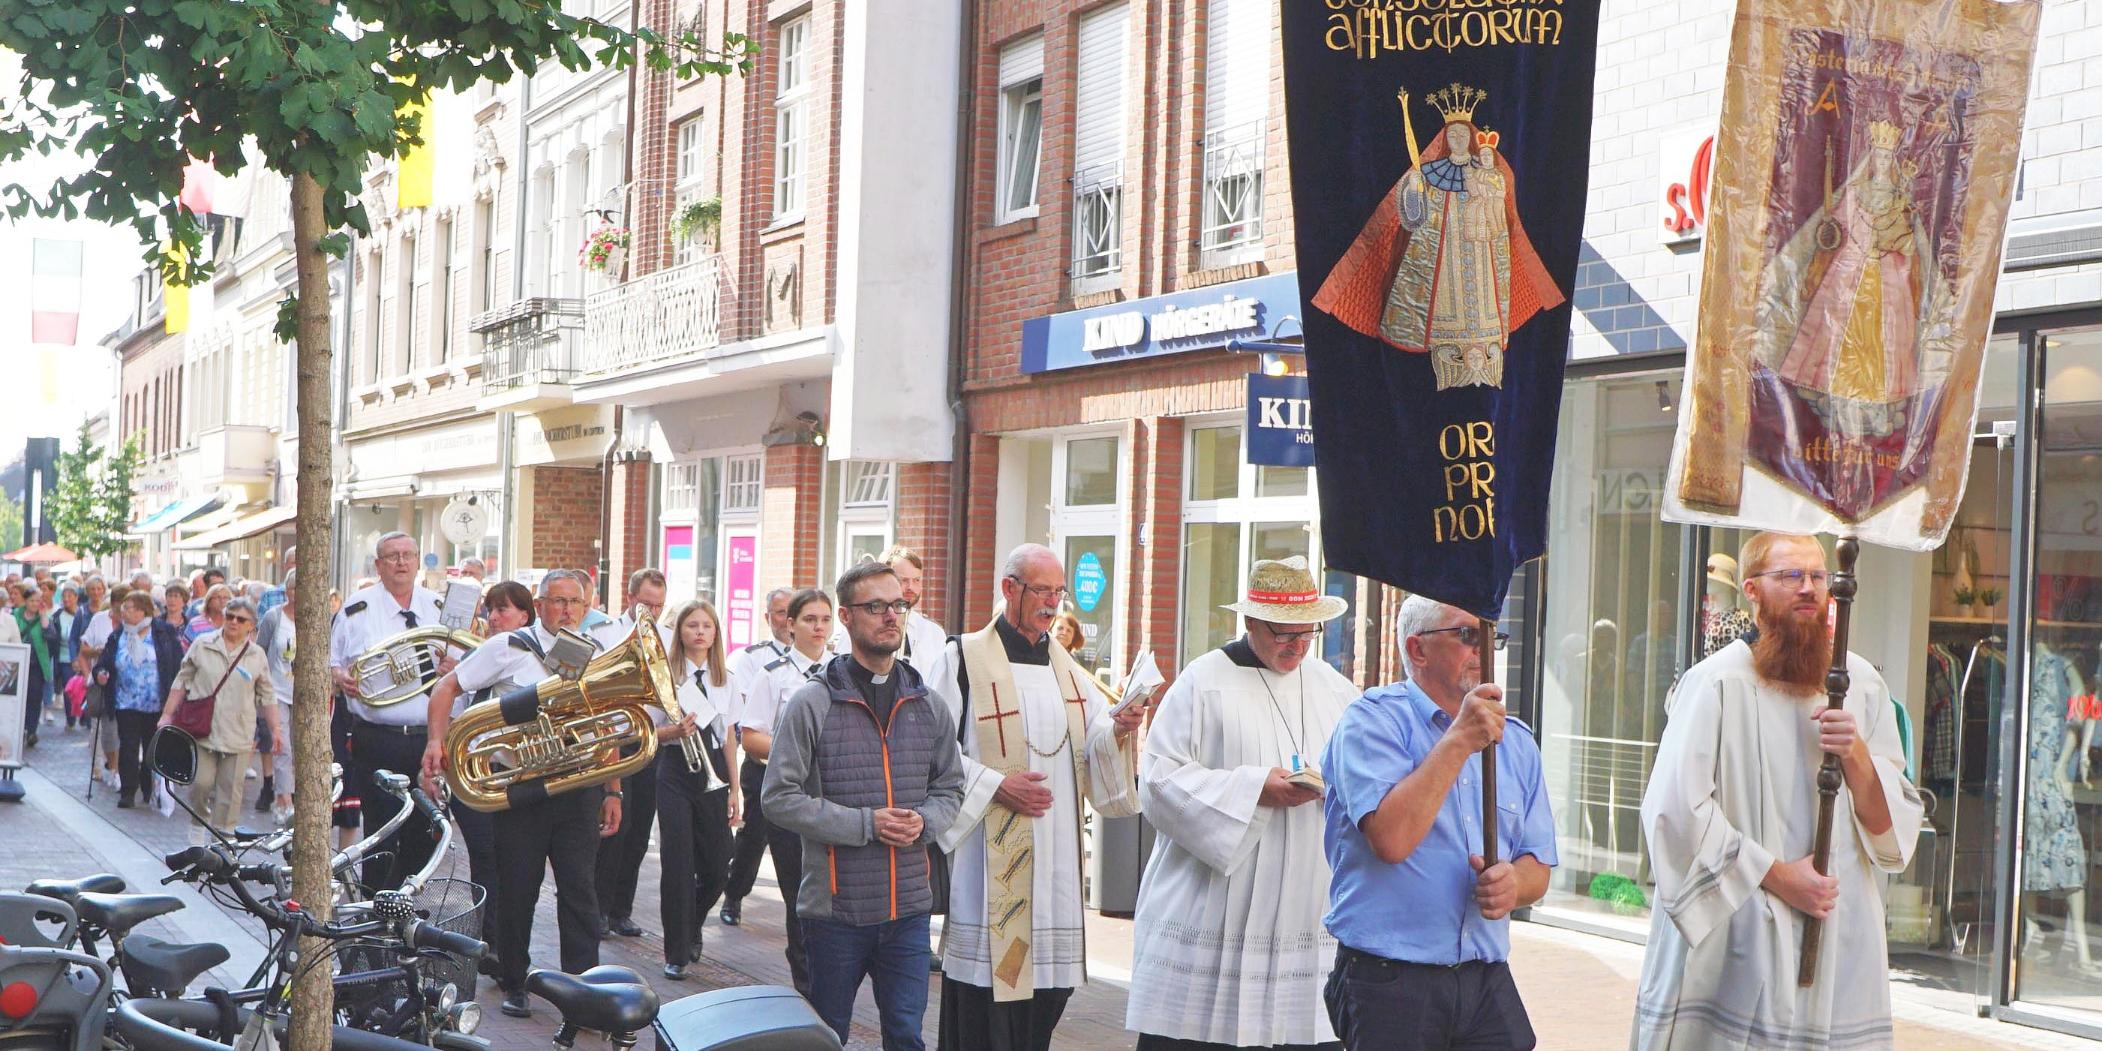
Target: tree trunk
x,y
312,991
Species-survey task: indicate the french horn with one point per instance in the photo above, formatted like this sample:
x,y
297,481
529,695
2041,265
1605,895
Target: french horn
x,y
404,666
559,735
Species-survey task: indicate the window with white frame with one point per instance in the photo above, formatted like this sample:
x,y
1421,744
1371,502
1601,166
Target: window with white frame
x,y
1236,104
791,87
1021,128
1235,513
858,498
686,170
868,483
1098,145
405,302
742,483
375,320
485,253
689,513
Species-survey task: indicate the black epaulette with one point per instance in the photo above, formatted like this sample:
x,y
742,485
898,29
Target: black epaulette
x,y
354,608
755,646
521,644
776,664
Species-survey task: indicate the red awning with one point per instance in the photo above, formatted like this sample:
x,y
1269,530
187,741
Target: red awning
x,y
40,554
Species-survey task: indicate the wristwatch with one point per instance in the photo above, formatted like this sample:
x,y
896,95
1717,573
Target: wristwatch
x,y
613,793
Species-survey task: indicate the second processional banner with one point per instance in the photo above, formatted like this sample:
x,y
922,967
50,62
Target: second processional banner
x,y
1863,171
1440,151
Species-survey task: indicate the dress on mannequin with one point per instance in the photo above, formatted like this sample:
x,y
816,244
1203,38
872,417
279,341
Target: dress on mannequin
x,y
2055,861
1723,617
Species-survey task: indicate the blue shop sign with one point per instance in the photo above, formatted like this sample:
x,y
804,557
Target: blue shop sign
x,y
1280,426
1089,582
1199,319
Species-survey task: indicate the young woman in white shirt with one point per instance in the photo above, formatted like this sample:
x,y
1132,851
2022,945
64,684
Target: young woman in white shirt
x,y
693,817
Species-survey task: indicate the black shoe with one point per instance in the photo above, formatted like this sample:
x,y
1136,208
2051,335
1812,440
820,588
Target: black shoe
x,y
675,972
515,1005
733,911
623,926
264,798
124,802
695,955
489,968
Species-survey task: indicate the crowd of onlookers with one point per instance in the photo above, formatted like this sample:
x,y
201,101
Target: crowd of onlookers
x,y
108,658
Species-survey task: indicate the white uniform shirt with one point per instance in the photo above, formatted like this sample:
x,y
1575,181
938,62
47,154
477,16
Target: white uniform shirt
x,y
504,663
748,669
611,633
784,676
368,617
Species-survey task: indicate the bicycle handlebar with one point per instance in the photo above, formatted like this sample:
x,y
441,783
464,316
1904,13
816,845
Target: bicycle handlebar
x,y
421,934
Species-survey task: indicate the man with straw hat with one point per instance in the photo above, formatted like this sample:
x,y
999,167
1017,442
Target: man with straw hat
x,y
1229,948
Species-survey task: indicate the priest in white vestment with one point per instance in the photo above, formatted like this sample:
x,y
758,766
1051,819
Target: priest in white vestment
x,y
1229,950
1731,814
1038,738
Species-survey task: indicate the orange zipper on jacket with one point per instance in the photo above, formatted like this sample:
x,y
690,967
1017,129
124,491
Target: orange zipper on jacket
x,y
890,799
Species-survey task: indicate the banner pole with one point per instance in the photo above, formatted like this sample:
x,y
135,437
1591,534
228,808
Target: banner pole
x,y
1829,778
1485,650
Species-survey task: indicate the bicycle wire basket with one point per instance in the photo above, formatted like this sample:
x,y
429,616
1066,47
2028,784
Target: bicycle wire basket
x,y
448,903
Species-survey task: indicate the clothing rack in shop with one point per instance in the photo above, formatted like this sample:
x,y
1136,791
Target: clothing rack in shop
x,y
1946,872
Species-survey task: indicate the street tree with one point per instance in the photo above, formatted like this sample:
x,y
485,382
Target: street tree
x,y
317,91
90,506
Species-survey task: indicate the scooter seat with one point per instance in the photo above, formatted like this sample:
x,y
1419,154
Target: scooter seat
x,y
119,913
153,967
746,1018
607,998
70,890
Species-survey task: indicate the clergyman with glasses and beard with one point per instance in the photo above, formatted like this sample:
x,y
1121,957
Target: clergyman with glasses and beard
x,y
1731,813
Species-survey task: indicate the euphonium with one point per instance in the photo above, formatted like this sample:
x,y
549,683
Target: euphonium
x,y
559,735
405,665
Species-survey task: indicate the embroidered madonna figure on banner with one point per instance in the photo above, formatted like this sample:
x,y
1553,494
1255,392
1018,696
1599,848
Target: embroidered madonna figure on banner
x,y
1444,266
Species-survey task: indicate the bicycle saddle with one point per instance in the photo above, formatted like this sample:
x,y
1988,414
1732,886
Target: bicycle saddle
x,y
607,998
153,967
119,913
70,890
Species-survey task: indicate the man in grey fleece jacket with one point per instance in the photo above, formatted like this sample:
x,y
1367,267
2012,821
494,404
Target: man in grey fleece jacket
x,y
866,769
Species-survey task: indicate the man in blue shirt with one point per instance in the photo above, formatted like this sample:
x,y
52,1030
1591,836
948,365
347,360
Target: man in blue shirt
x,y
1421,917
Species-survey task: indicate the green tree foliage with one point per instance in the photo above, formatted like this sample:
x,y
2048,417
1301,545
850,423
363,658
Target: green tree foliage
x,y
10,521
90,507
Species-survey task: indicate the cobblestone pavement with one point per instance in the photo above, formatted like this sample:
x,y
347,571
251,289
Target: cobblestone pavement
x,y
1580,988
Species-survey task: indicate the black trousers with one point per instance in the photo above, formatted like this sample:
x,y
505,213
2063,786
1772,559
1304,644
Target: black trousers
x,y
133,730
398,749
693,845
786,848
1378,1004
620,854
973,1021
478,831
562,833
347,805
751,839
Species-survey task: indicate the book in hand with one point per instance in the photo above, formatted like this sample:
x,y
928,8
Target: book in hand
x,y
1143,682
1307,777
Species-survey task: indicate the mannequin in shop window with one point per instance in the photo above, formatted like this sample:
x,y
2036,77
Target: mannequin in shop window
x,y
2055,862
1723,617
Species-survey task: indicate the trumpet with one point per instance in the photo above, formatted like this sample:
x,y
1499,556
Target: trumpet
x,y
559,735
691,745
405,665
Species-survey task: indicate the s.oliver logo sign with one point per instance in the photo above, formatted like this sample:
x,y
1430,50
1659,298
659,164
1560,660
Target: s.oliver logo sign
x,y
1199,319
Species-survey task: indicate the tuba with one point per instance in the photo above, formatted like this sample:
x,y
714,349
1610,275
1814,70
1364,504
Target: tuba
x,y
405,665
559,735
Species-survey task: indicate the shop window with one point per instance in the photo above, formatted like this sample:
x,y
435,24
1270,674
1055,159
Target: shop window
x,y
1091,472
689,518
1215,463
1281,481
1611,646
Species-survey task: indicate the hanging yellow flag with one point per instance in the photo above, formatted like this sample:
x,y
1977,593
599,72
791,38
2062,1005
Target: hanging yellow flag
x,y
418,169
175,299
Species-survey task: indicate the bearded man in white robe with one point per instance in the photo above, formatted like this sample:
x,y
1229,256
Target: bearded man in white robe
x,y
1731,814
1038,739
1229,950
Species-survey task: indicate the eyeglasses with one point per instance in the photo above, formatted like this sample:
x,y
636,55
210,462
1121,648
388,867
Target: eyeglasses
x,y
239,618
399,558
556,600
1470,636
1042,592
1794,577
877,609
1293,638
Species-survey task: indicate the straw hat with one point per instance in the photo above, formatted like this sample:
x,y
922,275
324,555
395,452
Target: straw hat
x,y
1282,591
1722,569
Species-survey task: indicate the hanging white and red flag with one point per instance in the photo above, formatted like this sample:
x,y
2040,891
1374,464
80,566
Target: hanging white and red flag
x,y
54,291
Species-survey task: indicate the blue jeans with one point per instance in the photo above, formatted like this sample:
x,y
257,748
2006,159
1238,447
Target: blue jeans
x,y
893,954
